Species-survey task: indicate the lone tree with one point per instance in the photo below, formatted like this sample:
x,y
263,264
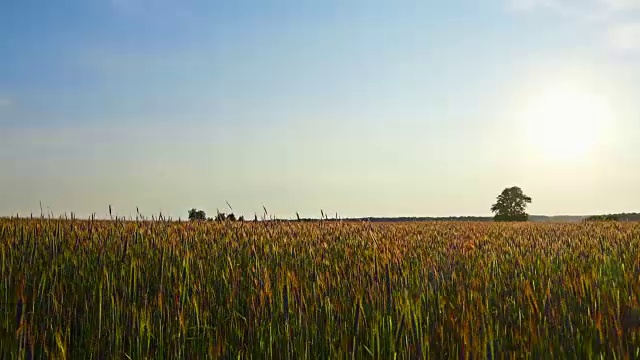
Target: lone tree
x,y
511,205
197,215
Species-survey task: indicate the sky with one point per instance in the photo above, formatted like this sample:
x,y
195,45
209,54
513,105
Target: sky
x,y
361,108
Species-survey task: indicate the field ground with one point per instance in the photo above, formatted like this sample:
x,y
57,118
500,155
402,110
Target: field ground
x,y
161,290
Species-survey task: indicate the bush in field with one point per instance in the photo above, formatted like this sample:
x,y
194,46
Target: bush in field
x,y
197,215
227,217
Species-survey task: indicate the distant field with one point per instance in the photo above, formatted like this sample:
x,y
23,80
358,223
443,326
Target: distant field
x,y
160,290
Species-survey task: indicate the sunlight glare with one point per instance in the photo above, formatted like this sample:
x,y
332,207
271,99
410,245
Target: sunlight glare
x,y
565,123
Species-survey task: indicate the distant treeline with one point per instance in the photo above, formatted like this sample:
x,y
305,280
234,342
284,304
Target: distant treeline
x,y
615,217
404,219
533,218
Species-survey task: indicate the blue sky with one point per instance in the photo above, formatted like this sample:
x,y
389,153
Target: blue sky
x,y
357,107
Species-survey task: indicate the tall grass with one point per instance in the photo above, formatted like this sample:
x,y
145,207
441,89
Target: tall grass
x,y
166,290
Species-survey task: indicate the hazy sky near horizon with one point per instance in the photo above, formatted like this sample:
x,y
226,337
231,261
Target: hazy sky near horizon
x,y
381,108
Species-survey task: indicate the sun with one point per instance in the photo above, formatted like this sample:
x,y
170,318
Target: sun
x,y
566,123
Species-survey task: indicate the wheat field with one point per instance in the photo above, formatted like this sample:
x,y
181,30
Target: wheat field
x,y
89,289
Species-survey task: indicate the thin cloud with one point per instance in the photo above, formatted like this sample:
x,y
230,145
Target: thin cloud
x,y
625,37
622,32
522,5
589,10
5,102
623,4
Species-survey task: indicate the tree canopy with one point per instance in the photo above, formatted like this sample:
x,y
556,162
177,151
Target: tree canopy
x,y
511,205
195,214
